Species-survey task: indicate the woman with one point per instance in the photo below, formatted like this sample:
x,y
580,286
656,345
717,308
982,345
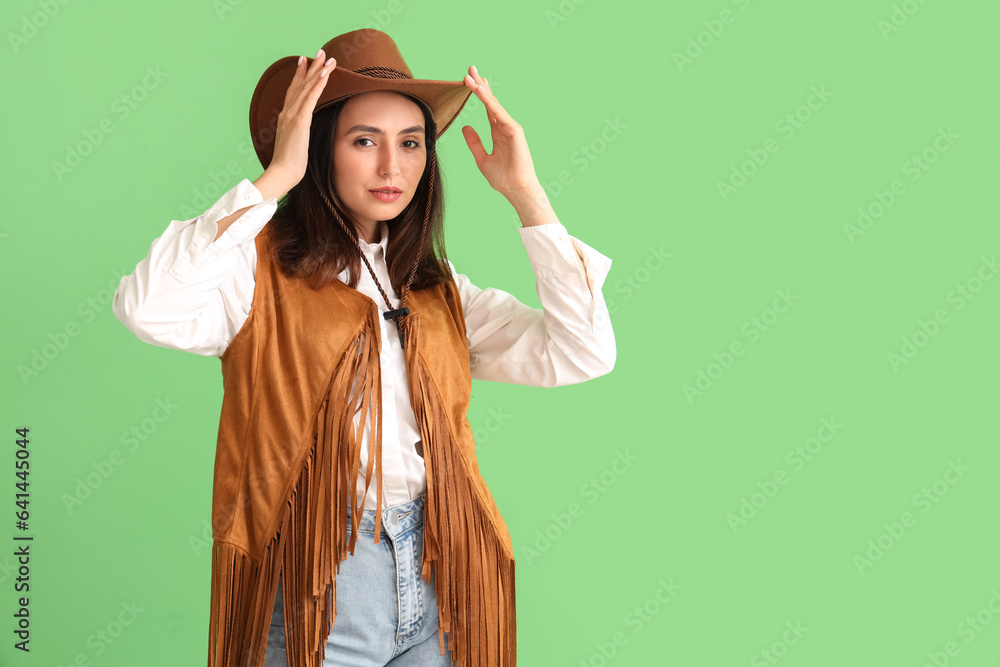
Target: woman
x,y
341,321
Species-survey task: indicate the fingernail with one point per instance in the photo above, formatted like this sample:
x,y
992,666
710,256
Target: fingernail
x,y
301,58
475,70
319,52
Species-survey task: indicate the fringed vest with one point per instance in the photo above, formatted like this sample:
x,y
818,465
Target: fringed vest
x,y
286,465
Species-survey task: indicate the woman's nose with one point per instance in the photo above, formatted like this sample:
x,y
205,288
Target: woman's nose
x,y
389,161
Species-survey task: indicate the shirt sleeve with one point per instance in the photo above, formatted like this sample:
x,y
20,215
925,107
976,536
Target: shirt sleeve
x,y
569,340
192,292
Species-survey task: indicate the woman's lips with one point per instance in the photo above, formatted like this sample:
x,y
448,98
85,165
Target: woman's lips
x,y
386,195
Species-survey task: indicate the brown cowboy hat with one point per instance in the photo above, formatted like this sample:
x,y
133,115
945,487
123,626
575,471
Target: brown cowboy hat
x,y
367,60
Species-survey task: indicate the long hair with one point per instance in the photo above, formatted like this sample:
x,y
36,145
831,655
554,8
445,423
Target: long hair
x,y
310,243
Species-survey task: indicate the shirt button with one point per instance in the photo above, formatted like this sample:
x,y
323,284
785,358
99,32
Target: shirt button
x,y
393,517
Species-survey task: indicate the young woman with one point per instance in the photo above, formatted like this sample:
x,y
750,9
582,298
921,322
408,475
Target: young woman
x,y
348,343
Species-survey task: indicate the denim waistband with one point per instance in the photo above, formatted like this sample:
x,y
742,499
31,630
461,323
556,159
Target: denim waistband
x,y
395,520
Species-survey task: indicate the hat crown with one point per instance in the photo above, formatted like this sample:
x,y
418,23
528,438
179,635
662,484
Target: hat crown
x,y
367,60
369,52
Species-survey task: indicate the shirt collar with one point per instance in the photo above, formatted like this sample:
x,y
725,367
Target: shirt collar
x,y
383,242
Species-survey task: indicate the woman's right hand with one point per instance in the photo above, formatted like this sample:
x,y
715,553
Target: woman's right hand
x,y
291,139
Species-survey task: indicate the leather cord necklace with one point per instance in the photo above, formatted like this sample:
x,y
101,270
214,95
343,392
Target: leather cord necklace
x,y
399,314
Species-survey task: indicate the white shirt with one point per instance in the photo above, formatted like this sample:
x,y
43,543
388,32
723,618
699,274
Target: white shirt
x,y
193,293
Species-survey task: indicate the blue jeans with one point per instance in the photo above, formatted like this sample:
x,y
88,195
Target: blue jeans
x,y
386,614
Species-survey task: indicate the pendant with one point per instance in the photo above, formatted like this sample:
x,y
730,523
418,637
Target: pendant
x,y
395,315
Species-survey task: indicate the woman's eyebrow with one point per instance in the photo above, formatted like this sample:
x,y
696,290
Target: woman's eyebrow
x,y
368,128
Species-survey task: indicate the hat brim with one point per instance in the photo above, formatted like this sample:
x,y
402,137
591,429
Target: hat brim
x,y
444,98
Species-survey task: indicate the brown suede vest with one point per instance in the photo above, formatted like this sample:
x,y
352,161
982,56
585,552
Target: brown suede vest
x,y
304,363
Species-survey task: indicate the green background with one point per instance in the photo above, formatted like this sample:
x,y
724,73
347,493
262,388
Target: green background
x,y
588,593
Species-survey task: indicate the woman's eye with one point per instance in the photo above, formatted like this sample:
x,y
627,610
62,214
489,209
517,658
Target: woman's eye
x,y
415,143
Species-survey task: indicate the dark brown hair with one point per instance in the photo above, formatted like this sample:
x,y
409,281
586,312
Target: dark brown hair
x,y
310,243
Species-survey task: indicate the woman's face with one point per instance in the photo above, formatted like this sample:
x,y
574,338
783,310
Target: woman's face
x,y
378,144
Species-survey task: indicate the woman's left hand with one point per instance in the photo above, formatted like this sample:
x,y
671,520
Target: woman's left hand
x,y
509,168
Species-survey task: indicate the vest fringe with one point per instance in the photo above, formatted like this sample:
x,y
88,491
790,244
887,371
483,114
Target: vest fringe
x,y
308,533
472,566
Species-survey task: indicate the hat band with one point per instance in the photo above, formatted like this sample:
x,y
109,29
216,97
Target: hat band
x,y
381,72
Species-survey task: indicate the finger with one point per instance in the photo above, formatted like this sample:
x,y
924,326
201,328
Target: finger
x,y
489,100
310,89
316,68
473,85
486,84
304,72
478,79
322,76
317,61
300,73
474,142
